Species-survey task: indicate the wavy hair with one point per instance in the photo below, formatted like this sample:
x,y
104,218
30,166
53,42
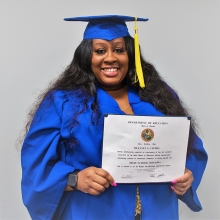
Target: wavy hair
x,y
78,75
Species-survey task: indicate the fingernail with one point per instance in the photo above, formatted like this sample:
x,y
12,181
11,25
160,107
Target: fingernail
x,y
172,187
114,184
174,182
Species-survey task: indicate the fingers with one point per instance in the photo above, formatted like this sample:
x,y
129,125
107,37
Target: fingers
x,y
99,180
179,190
183,183
105,175
94,180
94,189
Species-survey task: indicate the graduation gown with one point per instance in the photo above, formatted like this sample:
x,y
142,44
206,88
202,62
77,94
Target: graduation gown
x,y
48,156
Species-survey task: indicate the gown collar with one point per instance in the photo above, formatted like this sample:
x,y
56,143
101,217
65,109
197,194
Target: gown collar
x,y
104,97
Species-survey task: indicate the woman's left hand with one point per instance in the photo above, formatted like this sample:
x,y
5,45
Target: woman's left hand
x,y
183,183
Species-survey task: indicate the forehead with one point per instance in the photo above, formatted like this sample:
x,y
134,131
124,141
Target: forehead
x,y
109,42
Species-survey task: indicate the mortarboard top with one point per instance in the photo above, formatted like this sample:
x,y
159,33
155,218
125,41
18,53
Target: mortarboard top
x,y
109,27
106,27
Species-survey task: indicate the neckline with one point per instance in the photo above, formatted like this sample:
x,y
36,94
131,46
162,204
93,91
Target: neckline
x,y
104,97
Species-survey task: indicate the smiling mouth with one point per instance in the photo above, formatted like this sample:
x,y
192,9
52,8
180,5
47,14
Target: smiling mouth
x,y
110,72
109,69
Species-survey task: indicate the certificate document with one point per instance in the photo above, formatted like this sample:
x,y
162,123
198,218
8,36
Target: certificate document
x,y
141,149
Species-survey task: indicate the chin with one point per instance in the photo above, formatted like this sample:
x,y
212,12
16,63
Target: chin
x,y
112,85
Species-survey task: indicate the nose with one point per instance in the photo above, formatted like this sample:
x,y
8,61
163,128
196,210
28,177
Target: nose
x,y
110,57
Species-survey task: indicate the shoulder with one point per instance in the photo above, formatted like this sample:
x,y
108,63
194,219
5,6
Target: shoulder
x,y
60,97
58,101
53,99
171,90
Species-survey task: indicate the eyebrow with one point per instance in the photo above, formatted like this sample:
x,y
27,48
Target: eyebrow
x,y
99,43
119,42
113,43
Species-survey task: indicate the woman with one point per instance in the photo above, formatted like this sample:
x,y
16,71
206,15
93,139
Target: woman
x,y
61,155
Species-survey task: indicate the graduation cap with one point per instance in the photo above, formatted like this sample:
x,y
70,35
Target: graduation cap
x,y
109,27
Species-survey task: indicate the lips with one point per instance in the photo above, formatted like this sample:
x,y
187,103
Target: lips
x,y
110,72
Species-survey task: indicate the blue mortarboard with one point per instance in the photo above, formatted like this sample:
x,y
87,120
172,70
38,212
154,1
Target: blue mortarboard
x,y
109,27
106,27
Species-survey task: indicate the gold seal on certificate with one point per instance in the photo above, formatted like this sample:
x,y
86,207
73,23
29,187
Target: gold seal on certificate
x,y
147,135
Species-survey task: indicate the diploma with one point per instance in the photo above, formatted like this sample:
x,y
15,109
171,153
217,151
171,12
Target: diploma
x,y
142,149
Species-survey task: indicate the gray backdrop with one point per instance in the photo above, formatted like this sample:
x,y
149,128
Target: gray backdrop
x,y
181,39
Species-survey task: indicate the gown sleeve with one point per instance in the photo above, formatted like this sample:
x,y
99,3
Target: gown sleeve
x,y
44,171
196,163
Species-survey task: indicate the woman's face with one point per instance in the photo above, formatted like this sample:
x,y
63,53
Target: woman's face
x,y
109,62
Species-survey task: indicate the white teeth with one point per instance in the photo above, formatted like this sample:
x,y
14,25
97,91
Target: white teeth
x,y
110,70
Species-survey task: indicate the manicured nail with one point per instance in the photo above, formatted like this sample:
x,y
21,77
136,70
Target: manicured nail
x,y
172,187
114,184
174,182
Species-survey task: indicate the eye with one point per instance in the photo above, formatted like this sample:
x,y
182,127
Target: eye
x,y
119,50
100,51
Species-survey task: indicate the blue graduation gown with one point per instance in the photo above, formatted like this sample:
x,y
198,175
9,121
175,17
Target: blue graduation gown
x,y
48,157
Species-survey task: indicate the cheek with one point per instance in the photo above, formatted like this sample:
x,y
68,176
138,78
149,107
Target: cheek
x,y
126,60
93,67
92,63
126,63
95,63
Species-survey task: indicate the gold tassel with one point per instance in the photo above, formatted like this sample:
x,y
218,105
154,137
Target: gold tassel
x,y
138,66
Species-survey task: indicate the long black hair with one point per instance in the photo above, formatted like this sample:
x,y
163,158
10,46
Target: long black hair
x,y
78,75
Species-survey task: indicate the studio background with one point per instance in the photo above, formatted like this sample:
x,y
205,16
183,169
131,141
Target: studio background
x,y
181,39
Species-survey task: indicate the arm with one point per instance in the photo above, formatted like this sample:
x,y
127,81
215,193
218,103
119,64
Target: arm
x,y
185,187
44,167
44,171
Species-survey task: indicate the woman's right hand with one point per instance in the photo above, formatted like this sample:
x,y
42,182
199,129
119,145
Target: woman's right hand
x,y
94,180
